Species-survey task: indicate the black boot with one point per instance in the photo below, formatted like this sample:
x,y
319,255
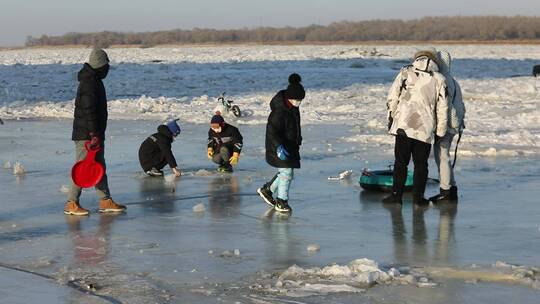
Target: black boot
x,y
444,195
266,195
282,206
453,193
393,198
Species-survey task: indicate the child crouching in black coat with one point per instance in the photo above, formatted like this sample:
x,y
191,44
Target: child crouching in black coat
x,y
155,152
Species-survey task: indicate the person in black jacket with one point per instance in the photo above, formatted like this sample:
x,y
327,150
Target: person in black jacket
x,y
222,140
89,124
283,140
155,152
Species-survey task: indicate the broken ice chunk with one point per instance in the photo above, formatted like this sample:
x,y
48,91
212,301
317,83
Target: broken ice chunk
x,y
199,208
341,176
18,169
7,165
312,248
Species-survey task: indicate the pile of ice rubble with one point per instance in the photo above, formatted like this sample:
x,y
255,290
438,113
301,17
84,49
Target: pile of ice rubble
x,y
361,274
354,278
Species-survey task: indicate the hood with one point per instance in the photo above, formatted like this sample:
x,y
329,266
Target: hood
x,y
278,102
423,63
164,130
88,73
445,61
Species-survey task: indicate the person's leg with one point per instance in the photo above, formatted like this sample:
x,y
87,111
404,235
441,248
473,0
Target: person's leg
x,y
446,172
75,191
102,188
402,154
72,207
216,158
420,155
225,154
285,177
274,186
162,163
106,203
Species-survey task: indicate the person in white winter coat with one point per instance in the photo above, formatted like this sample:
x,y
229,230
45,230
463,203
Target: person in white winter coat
x,y
417,112
441,148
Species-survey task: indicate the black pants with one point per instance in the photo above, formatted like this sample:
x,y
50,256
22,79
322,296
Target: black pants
x,y
404,148
157,162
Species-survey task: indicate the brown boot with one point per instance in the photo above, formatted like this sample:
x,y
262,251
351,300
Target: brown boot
x,y
108,205
73,208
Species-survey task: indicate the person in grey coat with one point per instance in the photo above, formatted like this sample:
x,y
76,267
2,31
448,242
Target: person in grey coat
x,y
441,148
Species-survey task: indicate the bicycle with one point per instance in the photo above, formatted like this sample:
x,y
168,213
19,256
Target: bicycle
x,y
228,105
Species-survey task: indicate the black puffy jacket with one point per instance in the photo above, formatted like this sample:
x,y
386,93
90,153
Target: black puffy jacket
x,y
157,149
90,105
229,137
283,128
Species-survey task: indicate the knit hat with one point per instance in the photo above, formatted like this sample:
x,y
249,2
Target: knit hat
x,y
174,127
217,119
295,90
445,61
98,58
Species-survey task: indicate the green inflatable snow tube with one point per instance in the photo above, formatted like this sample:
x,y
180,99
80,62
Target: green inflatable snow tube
x,y
382,180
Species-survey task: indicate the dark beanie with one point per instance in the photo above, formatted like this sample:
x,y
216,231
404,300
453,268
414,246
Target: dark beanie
x,y
295,90
217,119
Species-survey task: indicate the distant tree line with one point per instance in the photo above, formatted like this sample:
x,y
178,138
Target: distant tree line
x,y
474,28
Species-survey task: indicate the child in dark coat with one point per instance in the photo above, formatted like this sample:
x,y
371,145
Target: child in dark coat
x,y
224,144
155,152
283,140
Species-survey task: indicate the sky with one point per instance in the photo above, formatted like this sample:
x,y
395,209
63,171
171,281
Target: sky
x,y
21,18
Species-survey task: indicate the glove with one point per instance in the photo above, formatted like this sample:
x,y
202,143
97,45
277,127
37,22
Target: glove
x,y
177,172
234,159
95,141
282,153
210,153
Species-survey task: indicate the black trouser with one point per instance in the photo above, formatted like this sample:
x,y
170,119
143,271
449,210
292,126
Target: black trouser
x,y
157,163
404,148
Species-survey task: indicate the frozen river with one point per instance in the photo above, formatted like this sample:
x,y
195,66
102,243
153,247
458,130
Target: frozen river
x,y
161,251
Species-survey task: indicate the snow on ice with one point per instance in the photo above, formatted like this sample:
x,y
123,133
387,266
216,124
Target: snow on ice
x,y
345,84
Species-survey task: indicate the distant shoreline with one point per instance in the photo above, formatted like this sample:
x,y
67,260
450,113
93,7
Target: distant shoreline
x,y
366,43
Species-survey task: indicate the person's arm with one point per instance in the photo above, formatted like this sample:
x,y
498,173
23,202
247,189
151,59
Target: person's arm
x,y
459,106
237,141
275,129
210,145
166,150
393,98
88,106
441,109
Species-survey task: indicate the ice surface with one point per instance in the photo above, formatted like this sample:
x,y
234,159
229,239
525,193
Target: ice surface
x,y
133,257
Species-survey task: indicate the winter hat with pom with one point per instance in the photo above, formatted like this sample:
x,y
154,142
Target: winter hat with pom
x,y
174,127
217,119
445,61
98,58
295,90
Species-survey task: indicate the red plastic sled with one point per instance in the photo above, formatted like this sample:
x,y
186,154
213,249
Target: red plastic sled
x,y
87,172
